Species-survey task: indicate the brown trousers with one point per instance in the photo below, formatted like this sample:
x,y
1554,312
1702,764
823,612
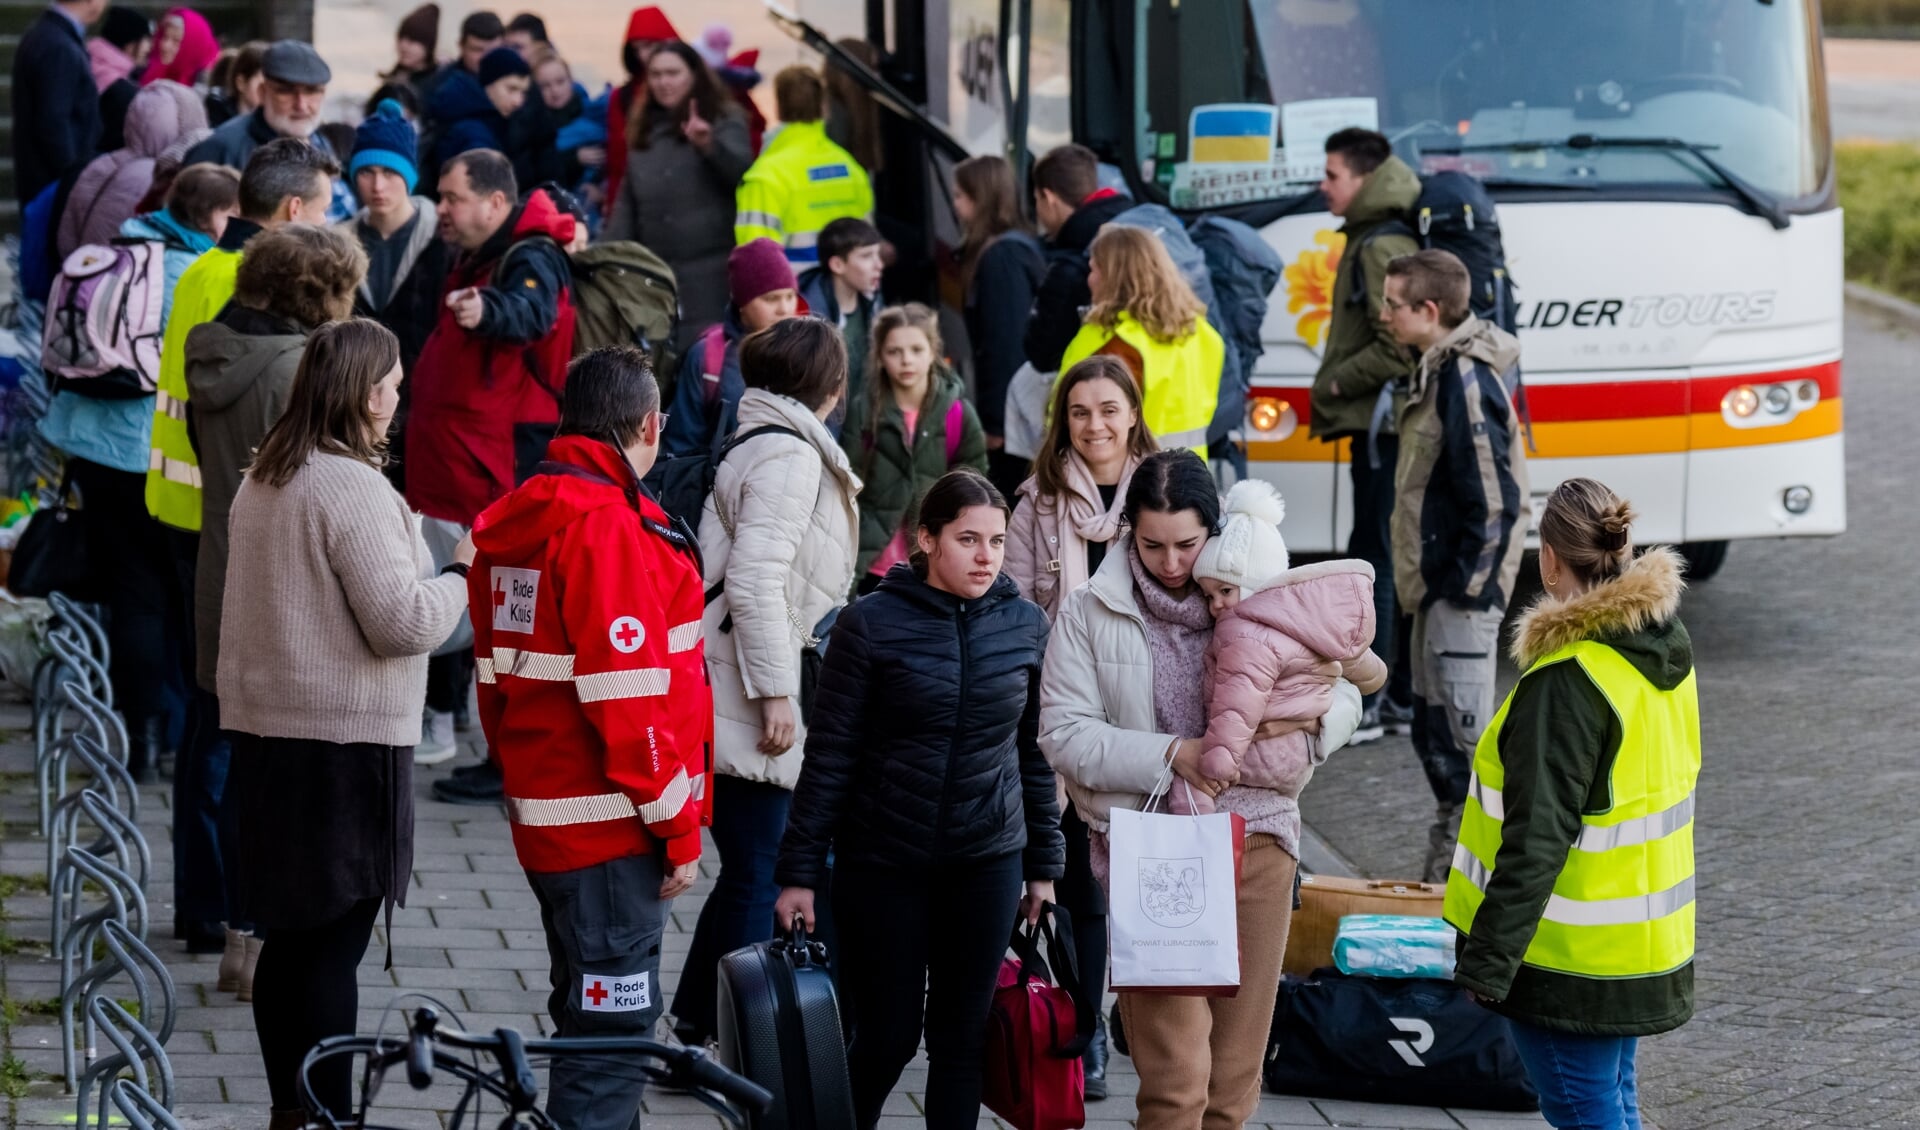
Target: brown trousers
x,y
1199,1057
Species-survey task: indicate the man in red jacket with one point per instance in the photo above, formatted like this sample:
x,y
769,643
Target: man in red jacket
x,y
586,604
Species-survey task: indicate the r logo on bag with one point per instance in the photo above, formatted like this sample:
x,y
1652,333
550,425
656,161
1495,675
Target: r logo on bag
x,y
1173,892
1409,1050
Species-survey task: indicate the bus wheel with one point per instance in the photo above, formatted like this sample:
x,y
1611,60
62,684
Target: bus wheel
x,y
1704,558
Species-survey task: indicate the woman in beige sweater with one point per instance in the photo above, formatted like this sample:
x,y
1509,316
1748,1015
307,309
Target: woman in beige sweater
x,y
331,608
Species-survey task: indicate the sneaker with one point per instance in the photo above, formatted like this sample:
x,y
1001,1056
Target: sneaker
x,y
1370,728
437,743
483,786
1396,717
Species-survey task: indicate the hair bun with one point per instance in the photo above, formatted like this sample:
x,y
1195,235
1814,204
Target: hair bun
x,y
1617,523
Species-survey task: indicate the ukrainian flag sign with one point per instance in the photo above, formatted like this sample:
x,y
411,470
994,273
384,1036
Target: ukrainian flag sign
x,y
1232,133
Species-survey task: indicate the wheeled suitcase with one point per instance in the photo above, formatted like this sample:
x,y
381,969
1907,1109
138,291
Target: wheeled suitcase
x,y
780,1027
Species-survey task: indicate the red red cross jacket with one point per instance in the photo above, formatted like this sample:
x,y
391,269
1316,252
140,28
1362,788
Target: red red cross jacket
x,y
593,686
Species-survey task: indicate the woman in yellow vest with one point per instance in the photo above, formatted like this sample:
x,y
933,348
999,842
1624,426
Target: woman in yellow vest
x,y
1145,313
1573,879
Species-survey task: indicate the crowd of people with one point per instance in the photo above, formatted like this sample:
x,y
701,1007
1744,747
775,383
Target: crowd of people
x,y
900,662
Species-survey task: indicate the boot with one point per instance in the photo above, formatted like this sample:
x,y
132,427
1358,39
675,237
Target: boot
x,y
1119,1030
1440,840
206,937
233,960
245,992
286,1120
1095,1059
482,786
146,744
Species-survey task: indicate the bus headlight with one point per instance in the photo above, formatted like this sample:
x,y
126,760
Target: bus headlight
x,y
1778,399
1797,500
1271,418
1809,392
1741,402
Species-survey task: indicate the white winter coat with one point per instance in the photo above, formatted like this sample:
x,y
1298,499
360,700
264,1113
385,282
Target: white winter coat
x,y
1097,727
787,563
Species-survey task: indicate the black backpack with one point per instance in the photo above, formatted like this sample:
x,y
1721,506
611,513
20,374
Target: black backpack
x,y
681,483
1455,213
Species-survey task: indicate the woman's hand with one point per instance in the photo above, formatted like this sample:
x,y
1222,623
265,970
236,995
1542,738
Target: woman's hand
x,y
777,725
698,130
679,881
1039,891
464,552
794,902
1186,763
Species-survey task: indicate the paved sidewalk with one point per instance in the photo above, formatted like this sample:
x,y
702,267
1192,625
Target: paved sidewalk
x,y
469,937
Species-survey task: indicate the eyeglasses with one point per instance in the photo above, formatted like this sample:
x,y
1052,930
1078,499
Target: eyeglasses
x,y
664,417
1390,304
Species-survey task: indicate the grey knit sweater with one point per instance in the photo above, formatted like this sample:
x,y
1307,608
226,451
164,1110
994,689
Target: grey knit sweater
x,y
331,608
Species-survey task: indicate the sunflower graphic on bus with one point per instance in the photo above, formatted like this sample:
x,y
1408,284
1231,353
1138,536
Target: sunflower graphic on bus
x,y
1309,280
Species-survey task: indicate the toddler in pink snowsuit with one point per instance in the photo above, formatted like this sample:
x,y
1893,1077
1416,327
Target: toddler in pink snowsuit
x,y
1281,639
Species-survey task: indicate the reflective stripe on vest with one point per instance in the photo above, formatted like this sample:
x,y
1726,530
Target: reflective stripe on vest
x,y
531,812
173,470
1623,903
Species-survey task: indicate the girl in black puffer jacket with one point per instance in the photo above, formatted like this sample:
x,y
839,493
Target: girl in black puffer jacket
x,y
924,778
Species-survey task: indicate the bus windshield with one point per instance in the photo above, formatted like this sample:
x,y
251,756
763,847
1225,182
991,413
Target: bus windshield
x,y
1497,88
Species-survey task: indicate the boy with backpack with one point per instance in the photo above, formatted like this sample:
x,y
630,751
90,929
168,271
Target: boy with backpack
x,y
845,290
761,291
1373,191
1460,519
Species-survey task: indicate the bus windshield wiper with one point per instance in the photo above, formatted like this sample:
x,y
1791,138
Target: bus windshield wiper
x,y
1757,199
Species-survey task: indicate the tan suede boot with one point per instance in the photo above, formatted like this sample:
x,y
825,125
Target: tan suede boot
x,y
232,960
245,992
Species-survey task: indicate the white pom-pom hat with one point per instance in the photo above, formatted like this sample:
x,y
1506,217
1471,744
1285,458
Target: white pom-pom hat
x,y
1248,551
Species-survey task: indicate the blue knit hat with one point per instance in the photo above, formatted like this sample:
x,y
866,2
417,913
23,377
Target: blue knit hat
x,y
387,140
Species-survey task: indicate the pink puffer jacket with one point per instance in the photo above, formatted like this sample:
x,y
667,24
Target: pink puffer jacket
x,y
107,193
1275,657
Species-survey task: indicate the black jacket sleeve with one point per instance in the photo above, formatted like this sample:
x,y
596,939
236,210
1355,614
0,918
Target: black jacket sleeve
x,y
834,742
1477,436
1003,287
1045,856
524,300
1055,317
1557,748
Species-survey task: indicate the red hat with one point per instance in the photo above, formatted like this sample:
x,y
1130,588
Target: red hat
x,y
650,23
755,268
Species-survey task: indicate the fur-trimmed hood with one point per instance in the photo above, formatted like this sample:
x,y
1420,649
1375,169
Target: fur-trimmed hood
x,y
1636,613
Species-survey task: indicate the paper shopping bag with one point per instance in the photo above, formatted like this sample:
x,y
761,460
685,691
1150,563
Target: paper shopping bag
x,y
1173,894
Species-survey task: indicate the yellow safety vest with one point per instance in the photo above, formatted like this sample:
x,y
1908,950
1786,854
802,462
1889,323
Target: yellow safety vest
x,y
1182,385
801,182
1623,905
173,469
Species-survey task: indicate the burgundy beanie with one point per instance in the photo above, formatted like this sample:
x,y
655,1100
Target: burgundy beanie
x,y
756,267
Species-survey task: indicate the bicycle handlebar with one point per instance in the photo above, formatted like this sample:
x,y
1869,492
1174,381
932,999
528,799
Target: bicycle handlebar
x,y
689,1066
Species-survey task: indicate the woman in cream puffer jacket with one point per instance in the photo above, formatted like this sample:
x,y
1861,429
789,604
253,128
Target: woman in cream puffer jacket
x,y
778,535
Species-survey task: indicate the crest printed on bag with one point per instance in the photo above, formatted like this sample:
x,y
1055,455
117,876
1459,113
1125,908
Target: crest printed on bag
x,y
1173,892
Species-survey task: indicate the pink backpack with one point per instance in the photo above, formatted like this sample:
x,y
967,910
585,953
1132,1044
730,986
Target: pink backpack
x,y
102,334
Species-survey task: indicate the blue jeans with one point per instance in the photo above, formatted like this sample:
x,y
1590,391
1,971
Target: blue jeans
x,y
1585,1082
749,817
204,820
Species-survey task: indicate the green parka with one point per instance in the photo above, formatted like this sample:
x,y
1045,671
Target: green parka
x,y
897,475
1361,356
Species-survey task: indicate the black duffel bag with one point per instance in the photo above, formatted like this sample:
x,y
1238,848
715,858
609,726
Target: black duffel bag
x,y
1391,1040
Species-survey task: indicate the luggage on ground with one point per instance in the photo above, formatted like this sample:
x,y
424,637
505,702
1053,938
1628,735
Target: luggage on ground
x,y
1325,900
779,1025
1419,1042
1394,945
1039,1026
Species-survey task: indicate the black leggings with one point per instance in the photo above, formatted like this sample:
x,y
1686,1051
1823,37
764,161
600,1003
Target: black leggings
x,y
1082,897
304,990
914,943
447,679
128,553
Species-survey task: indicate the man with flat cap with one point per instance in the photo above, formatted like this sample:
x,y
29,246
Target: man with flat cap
x,y
294,90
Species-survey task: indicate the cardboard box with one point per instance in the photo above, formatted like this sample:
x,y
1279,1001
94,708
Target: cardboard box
x,y
1324,900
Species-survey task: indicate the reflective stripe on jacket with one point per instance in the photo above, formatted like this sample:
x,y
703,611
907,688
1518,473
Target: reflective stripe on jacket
x,y
801,183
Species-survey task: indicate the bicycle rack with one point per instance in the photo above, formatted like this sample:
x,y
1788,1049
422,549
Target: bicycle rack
x,y
74,720
138,1106
134,1043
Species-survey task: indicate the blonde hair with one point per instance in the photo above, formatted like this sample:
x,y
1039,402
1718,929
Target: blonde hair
x,y
1590,528
912,316
1140,279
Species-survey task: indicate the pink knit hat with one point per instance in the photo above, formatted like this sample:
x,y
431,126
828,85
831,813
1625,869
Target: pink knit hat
x,y
755,268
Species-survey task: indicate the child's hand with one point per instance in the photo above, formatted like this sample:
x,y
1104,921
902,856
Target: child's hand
x,y
1281,727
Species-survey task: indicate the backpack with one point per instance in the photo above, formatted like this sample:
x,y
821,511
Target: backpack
x,y
1244,269
102,332
623,294
681,483
1455,213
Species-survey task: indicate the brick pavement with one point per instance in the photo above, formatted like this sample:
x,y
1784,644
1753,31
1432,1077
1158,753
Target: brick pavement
x,y
471,938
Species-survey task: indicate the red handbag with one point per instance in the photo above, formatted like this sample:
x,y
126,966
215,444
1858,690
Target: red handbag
x,y
1040,1025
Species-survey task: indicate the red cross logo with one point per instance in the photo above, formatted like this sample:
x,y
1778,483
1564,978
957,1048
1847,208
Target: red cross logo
x,y
625,634
597,995
499,593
